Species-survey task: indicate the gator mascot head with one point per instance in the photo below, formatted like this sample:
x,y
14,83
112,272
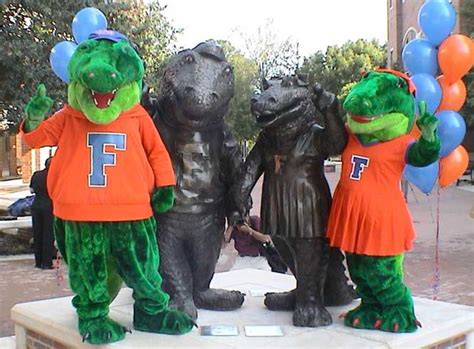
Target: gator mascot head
x,y
381,106
105,77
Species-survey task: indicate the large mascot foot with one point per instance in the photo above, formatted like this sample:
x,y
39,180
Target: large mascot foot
x,y
217,299
399,319
280,300
168,321
311,315
364,316
101,330
187,306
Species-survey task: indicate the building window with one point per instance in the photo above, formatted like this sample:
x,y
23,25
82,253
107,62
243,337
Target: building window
x,y
410,34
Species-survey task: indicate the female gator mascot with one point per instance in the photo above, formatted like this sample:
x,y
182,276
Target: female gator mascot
x,y
109,159
369,218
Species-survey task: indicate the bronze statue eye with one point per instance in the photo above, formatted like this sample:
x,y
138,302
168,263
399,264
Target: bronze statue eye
x,y
189,59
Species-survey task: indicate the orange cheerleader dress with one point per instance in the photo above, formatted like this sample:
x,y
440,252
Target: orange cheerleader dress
x,y
369,215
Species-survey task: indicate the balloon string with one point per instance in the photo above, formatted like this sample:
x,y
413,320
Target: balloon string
x,y
413,192
436,276
58,270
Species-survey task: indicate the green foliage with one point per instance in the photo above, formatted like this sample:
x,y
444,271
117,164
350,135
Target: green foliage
x,y
341,66
146,27
246,83
273,56
265,56
467,28
29,29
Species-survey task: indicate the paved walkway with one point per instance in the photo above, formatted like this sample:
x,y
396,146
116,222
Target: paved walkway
x,y
21,282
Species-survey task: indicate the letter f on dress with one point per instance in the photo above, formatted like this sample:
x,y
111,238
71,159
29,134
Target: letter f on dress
x,y
358,165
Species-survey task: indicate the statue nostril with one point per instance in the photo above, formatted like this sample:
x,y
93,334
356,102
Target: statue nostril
x,y
272,100
188,89
215,96
253,101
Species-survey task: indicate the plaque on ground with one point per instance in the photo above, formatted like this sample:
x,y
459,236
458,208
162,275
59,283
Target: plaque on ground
x,y
263,331
219,330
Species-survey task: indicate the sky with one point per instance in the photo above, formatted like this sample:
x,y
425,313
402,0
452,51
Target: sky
x,y
315,24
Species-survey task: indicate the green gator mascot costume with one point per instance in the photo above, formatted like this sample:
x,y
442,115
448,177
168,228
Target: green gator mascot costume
x,y
369,218
109,165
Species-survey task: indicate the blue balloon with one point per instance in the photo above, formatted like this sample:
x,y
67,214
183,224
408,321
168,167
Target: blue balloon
x,y
87,21
59,58
420,56
424,178
437,20
451,131
428,90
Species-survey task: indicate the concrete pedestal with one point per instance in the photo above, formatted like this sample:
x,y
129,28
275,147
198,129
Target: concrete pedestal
x,y
53,323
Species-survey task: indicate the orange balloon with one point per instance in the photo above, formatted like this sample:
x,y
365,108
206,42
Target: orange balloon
x,y
454,95
455,57
415,132
453,166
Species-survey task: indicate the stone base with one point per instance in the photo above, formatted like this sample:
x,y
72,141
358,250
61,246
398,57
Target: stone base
x,y
53,323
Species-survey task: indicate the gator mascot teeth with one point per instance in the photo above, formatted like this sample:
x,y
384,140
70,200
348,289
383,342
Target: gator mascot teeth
x,y
109,163
369,218
290,152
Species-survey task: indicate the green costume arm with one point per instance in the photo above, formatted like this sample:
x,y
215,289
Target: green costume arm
x,y
37,109
426,150
162,199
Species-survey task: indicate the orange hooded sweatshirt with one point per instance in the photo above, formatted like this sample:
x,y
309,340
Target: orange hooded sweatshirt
x,y
103,172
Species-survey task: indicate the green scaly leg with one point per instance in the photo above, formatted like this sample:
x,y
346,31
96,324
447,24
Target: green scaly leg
x,y
398,309
384,278
369,313
137,264
86,248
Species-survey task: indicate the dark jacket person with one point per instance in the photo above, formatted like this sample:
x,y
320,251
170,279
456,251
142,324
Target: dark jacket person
x,y
42,217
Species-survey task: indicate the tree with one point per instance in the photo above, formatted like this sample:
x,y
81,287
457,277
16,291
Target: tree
x,y
146,26
246,83
29,29
467,28
274,57
341,66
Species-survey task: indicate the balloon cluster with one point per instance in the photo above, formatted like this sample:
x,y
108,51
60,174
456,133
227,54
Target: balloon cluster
x,y
444,94
86,21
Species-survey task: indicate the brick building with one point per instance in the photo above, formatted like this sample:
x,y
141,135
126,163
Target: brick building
x,y
17,160
403,26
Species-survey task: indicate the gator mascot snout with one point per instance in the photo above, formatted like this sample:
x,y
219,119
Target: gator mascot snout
x,y
369,218
194,95
290,153
109,167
